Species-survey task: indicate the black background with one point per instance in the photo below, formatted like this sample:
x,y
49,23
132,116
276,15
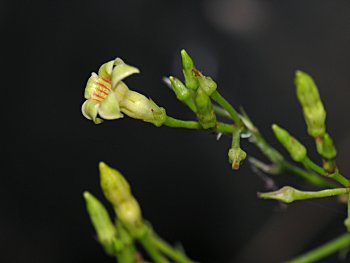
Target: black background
x,y
181,177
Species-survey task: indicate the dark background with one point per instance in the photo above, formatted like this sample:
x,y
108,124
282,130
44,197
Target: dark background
x,y
181,177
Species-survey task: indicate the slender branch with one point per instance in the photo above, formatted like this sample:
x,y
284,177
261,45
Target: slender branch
x,y
320,170
169,251
325,250
152,250
308,176
227,106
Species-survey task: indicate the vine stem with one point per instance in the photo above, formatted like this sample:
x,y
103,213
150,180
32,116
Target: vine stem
x,y
152,250
325,250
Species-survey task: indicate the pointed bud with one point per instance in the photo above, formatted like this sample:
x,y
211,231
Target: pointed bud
x,y
182,93
296,150
205,111
118,193
309,98
106,232
325,147
236,157
187,66
285,194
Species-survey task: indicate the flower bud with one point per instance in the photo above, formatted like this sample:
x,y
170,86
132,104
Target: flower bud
x,y
105,229
236,157
296,150
187,66
325,147
182,93
207,84
309,98
205,111
117,191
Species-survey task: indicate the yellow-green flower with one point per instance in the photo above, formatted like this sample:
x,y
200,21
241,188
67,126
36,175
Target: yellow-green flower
x,y
102,101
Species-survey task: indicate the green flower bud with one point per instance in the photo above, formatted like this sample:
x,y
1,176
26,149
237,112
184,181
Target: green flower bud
x,y
182,93
187,66
106,232
236,156
207,84
309,98
118,193
296,150
205,111
325,147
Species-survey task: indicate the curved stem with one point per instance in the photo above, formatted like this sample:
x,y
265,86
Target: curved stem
x,y
324,250
152,250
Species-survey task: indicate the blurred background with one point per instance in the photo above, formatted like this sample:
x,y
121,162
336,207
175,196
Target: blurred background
x,y
181,178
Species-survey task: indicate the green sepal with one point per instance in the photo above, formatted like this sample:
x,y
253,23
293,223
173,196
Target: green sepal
x,y
104,227
182,93
325,147
296,150
205,112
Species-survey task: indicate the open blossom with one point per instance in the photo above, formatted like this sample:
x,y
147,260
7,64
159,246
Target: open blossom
x,y
101,100
108,97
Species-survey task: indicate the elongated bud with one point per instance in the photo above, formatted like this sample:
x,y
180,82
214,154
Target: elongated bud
x,y
207,84
325,147
187,66
296,150
182,93
289,194
118,193
205,111
309,98
236,157
105,229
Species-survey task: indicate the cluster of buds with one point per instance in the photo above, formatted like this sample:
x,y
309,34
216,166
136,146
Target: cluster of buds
x,y
197,93
116,238
109,98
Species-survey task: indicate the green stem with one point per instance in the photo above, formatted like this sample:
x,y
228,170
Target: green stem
x,y
227,106
176,123
324,250
313,166
310,177
151,249
167,250
318,169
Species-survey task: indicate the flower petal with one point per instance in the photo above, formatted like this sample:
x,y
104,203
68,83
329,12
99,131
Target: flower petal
x,y
121,71
109,108
91,85
121,90
105,70
90,109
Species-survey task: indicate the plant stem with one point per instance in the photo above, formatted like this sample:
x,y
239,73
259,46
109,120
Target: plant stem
x,y
152,250
325,250
221,112
176,123
167,250
310,177
318,169
227,106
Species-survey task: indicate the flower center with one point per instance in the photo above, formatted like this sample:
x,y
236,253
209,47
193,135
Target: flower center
x,y
102,89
